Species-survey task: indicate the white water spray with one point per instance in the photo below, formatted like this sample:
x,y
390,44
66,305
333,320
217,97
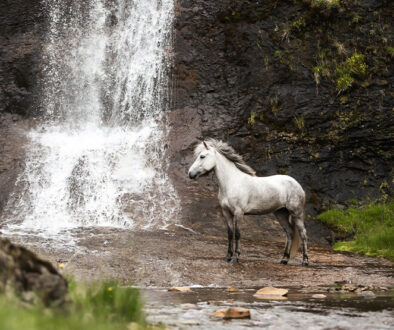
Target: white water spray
x,y
98,160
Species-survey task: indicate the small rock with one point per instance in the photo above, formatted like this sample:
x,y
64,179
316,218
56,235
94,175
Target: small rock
x,y
232,289
271,291
348,287
319,296
26,275
362,288
230,301
232,313
180,289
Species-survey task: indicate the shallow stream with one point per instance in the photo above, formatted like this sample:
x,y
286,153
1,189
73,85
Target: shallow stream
x,y
298,310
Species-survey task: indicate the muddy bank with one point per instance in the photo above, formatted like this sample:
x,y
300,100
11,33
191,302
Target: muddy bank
x,y
179,257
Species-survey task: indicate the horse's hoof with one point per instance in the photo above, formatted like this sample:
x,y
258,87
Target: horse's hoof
x,y
305,263
283,262
227,259
234,259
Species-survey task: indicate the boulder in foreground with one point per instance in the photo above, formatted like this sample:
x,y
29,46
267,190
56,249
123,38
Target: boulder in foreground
x,y
24,274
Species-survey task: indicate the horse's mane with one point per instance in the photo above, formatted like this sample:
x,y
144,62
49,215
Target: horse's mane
x,y
228,152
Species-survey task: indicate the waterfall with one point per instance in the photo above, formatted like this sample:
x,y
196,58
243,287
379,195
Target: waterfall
x,y
98,156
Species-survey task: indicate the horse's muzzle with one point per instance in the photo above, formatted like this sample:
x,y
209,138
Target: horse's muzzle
x,y
192,176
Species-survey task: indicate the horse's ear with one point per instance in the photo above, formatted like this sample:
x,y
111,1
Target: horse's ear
x,y
205,145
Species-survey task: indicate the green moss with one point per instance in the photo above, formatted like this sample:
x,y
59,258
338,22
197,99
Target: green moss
x,y
371,225
346,72
325,4
299,122
274,104
320,71
285,58
298,25
344,82
251,119
390,50
99,306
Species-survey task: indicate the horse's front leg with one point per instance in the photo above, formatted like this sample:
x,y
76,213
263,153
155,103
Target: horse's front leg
x,y
238,216
228,217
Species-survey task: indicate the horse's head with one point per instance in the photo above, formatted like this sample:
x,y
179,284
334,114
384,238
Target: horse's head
x,y
204,163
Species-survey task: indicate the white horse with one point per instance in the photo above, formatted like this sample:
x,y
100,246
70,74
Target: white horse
x,y
242,193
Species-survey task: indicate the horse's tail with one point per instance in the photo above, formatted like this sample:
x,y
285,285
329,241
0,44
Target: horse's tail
x,y
295,242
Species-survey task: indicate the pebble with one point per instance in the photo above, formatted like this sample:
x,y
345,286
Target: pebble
x,y
271,291
319,296
232,313
180,289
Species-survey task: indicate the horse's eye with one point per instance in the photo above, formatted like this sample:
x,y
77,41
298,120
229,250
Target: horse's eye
x,y
202,156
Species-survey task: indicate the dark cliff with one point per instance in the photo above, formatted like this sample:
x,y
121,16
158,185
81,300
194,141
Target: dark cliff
x,y
302,88
21,38
22,31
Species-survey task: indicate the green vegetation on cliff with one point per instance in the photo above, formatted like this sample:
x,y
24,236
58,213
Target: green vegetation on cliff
x,y
371,226
98,306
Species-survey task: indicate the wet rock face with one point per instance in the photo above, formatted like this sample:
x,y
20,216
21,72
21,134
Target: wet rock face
x,y
22,26
263,76
260,75
26,275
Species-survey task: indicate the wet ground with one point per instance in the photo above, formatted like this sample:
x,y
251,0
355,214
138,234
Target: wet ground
x,y
296,311
158,260
182,258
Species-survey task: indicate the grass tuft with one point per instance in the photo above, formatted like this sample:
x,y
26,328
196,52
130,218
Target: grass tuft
x,y
99,306
371,226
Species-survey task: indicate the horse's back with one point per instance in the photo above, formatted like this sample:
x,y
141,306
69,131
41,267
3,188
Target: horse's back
x,y
289,188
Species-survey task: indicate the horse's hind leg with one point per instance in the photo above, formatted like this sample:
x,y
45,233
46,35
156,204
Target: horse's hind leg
x,y
283,217
299,223
228,217
238,216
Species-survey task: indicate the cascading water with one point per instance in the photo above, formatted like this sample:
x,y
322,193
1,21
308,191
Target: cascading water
x,y
98,158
